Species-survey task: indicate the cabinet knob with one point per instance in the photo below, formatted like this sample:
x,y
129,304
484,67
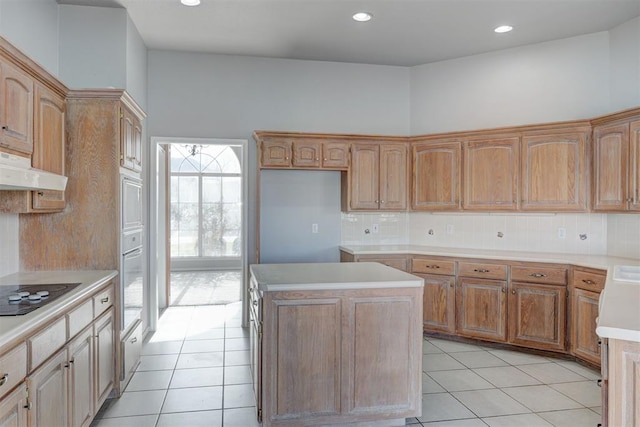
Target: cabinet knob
x,y
599,383
504,290
381,201
513,291
5,127
325,159
589,281
4,379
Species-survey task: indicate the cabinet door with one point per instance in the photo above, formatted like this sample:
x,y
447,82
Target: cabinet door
x,y
490,177
481,308
275,153
13,408
307,154
127,156
393,177
49,146
634,166
104,365
364,182
81,408
137,145
624,383
439,303
553,172
584,342
436,177
537,315
255,339
16,109
610,167
48,392
335,155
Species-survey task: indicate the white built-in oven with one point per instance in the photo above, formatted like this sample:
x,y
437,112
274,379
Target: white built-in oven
x,y
132,261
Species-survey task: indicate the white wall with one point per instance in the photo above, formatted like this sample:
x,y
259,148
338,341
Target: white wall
x,y
547,82
32,26
219,96
93,46
136,65
624,59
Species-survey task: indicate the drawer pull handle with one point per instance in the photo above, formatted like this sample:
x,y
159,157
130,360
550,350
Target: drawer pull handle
x,y
599,383
537,275
134,340
4,379
481,270
432,266
28,405
104,300
589,281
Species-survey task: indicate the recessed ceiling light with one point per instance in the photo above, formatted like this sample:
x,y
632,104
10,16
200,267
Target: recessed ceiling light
x,y
190,2
362,16
503,29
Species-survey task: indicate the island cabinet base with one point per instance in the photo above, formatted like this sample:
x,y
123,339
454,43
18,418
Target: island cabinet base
x,y
342,357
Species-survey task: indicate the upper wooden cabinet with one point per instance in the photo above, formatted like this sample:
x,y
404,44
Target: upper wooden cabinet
x,y
296,151
436,176
16,109
130,140
378,177
554,172
490,175
49,146
616,166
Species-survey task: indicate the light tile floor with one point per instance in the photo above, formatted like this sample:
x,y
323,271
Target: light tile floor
x,y
195,372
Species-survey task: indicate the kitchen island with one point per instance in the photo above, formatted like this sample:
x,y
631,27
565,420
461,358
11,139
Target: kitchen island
x,y
336,343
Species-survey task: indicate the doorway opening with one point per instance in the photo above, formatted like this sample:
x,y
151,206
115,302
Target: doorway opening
x,y
199,222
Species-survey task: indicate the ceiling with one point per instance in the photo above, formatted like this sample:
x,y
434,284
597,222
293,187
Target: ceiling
x,y
402,32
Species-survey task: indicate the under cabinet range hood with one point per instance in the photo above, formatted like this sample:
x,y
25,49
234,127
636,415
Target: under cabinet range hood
x,y
16,173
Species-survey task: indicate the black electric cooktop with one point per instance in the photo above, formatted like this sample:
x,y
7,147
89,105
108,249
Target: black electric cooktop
x,y
11,305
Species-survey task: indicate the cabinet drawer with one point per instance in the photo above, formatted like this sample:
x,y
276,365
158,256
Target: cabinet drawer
x,y
131,349
433,266
46,342
80,317
552,276
103,301
482,270
588,281
13,368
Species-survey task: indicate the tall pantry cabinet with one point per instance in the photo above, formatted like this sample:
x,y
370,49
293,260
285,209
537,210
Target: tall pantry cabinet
x,y
87,234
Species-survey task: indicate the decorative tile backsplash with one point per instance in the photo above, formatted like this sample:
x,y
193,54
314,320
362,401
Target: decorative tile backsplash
x,y
565,233
623,235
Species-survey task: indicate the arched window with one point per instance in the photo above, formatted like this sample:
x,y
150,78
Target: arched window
x,y
206,200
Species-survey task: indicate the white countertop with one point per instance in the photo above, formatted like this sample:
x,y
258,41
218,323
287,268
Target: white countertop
x,y
13,327
619,315
330,276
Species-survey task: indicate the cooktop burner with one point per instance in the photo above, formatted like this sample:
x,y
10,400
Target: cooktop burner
x,y
16,300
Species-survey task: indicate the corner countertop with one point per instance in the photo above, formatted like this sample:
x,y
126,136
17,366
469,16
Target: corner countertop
x,y
13,328
619,315
330,276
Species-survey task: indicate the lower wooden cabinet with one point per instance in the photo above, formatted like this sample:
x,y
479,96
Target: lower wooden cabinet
x,y
359,352
537,315
481,308
585,341
104,367
49,392
623,383
438,306
14,408
81,379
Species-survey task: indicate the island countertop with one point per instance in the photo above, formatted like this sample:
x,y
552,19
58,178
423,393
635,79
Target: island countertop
x,y
325,276
13,327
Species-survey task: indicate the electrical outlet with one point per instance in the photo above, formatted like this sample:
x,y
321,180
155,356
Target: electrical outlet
x,y
562,233
375,229
314,228
449,228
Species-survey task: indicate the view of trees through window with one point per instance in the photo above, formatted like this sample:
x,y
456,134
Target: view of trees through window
x,y
206,201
